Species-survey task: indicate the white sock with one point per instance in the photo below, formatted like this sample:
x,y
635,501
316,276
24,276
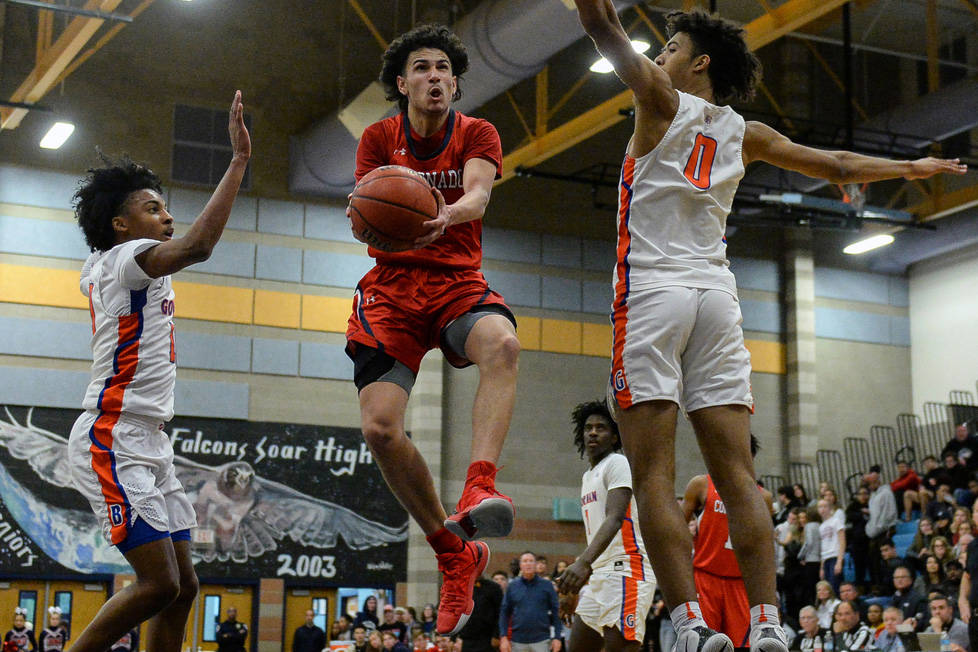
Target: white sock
x,y
764,615
687,614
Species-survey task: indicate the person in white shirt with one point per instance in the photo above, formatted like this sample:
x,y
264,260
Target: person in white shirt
x,y
119,456
613,575
832,532
676,319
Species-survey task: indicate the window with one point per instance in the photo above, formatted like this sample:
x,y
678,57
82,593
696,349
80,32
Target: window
x,y
201,148
320,607
62,599
28,602
212,617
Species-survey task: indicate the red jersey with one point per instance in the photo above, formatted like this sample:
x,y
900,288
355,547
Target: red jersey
x,y
441,159
713,552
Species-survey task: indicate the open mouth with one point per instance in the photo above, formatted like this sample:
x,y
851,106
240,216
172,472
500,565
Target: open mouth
x,y
435,93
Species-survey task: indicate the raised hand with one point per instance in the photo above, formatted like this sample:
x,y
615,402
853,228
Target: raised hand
x,y
240,138
923,168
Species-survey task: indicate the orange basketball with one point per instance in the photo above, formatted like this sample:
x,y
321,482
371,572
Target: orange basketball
x,y
389,205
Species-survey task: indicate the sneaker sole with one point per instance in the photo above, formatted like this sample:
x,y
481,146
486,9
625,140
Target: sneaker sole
x,y
480,567
493,517
717,643
769,644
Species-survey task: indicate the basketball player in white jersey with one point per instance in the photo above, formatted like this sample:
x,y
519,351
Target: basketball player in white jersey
x,y
120,457
676,319
612,574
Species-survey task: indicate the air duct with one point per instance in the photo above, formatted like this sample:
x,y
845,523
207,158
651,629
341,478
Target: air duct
x,y
507,41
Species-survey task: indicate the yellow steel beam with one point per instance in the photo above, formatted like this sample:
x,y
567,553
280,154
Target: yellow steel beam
x,y
45,28
945,204
381,41
971,5
55,60
519,114
542,100
759,32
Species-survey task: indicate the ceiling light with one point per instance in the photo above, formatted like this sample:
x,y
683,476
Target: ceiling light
x,y
603,66
870,243
57,135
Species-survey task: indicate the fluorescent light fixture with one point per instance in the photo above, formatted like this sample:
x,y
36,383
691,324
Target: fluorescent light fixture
x,y
870,243
57,135
604,66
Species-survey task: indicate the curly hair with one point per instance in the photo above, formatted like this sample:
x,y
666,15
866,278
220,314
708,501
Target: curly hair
x,y
102,195
580,415
438,37
734,70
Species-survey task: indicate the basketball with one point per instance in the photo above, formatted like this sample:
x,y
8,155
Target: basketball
x,y
388,207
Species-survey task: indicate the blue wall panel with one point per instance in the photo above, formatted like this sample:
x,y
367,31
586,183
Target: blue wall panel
x,y
852,325
37,187
763,316
209,351
282,217
514,246
279,263
563,251
229,259
756,274
328,223
600,256
43,387
339,270
597,297
279,357
899,291
21,235
206,398
561,293
321,360
900,331
851,286
518,289
45,338
185,205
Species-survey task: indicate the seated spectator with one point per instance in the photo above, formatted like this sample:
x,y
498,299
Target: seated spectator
x,y
429,616
934,477
390,642
444,643
812,634
848,633
559,568
942,620
963,446
832,534
368,615
342,629
911,603
959,515
954,570
421,643
905,489
874,619
795,596
888,639
966,497
392,624
857,542
920,546
957,472
825,604
940,510
887,563
966,532
375,642
932,579
941,548
359,639
849,592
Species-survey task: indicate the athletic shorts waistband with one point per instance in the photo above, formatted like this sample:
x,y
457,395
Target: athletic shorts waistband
x,y
139,420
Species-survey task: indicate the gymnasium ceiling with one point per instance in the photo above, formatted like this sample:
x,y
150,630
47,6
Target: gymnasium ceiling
x,y
299,61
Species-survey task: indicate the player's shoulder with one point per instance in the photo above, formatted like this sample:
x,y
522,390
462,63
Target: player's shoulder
x,y
382,128
467,123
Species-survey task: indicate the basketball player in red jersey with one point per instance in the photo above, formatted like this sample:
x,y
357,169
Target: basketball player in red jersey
x,y
435,296
719,584
678,341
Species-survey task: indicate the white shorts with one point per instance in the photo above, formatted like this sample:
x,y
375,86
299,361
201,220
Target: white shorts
x,y
683,345
124,467
616,600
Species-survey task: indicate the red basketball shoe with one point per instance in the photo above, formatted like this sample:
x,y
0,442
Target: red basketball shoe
x,y
459,571
481,511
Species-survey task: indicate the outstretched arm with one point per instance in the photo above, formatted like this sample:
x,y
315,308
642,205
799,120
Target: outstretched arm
x,y
695,496
651,85
577,574
173,255
762,143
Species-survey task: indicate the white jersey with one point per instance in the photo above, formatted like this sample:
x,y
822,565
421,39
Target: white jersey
x,y
674,201
134,358
626,552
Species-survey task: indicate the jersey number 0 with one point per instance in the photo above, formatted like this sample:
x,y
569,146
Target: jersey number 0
x,y
700,162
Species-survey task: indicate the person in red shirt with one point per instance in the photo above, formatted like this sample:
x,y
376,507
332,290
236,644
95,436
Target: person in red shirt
x,y
719,583
434,296
905,488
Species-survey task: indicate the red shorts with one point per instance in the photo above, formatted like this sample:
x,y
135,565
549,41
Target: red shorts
x,y
402,310
723,601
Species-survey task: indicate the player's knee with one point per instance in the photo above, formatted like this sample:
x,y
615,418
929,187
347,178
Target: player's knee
x,y
380,433
163,590
504,353
189,588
